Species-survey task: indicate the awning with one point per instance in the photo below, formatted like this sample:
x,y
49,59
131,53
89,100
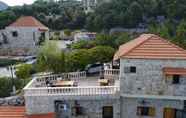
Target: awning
x,y
43,29
174,71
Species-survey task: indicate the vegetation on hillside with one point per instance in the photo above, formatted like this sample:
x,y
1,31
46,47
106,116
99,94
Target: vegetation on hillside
x,y
51,58
123,13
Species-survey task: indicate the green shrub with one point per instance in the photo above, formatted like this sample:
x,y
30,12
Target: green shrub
x,y
67,32
24,71
6,86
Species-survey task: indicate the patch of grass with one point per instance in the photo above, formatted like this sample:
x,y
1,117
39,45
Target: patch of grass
x,y
8,62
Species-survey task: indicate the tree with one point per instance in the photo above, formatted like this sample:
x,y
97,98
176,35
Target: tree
x,y
6,86
67,32
163,30
82,45
123,38
51,58
105,40
180,38
133,15
77,60
24,71
101,54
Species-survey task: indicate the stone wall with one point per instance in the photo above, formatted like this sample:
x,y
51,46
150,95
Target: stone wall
x,y
92,105
129,106
149,77
25,42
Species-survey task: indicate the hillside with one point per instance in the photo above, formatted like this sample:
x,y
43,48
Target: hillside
x,y
163,17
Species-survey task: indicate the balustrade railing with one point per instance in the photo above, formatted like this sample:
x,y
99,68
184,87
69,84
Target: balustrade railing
x,y
112,73
77,91
37,86
55,77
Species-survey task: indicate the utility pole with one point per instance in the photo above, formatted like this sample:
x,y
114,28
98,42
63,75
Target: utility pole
x,y
12,77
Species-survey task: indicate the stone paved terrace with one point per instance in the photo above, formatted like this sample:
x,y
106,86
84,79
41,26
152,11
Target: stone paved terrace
x,y
86,86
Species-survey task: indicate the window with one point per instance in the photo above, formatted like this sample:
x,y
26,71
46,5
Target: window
x,y
14,34
107,112
145,111
78,111
131,69
176,79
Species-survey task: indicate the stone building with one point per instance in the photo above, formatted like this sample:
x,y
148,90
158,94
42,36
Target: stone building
x,y
150,84
152,78
22,37
90,5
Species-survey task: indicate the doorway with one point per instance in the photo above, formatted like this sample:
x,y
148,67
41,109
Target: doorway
x,y
169,113
107,112
62,109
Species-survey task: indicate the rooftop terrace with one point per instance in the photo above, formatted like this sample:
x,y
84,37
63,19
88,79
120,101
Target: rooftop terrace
x,y
48,85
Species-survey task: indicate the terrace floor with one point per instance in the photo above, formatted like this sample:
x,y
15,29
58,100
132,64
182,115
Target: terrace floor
x,y
93,81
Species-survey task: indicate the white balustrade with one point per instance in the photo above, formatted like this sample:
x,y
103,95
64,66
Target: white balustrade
x,y
52,78
114,73
75,91
37,86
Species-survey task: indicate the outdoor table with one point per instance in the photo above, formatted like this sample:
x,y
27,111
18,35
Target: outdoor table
x,y
103,82
64,83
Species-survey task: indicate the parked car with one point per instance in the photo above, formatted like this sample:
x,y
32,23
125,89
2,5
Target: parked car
x,y
94,69
28,58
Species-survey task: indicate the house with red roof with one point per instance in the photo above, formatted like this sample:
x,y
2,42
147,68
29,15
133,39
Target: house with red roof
x,y
151,83
23,36
152,78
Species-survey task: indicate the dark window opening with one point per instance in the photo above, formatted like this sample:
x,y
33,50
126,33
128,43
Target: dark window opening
x,y
131,69
79,110
14,34
108,112
176,79
145,111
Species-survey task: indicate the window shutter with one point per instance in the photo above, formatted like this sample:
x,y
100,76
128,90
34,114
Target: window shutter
x,y
151,111
126,69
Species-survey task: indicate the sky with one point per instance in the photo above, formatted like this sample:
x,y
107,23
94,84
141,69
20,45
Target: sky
x,y
17,2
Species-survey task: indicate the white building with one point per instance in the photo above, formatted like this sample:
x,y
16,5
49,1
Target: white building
x,y
86,36
23,36
90,5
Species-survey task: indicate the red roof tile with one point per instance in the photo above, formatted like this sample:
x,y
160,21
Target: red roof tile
x,y
28,21
20,112
12,112
174,71
150,46
48,115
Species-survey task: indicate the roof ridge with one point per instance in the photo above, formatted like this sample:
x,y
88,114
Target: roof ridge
x,y
27,21
130,49
143,41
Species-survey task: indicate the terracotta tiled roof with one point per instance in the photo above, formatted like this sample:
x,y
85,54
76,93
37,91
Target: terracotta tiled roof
x,y
48,115
28,21
12,112
174,71
150,46
19,112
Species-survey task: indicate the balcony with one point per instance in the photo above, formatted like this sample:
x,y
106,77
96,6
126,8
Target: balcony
x,y
85,86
